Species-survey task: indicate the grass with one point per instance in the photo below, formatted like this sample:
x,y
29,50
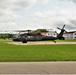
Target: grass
x,y
28,53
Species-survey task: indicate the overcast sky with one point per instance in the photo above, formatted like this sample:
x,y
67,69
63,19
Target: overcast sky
x,y
34,14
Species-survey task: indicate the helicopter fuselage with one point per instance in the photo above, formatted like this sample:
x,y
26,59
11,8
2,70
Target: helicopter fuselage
x,y
38,37
34,38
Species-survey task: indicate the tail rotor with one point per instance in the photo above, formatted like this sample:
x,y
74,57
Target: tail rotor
x,y
62,27
60,35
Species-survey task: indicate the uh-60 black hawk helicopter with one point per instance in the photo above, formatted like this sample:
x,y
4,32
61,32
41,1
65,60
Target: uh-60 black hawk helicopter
x,y
24,38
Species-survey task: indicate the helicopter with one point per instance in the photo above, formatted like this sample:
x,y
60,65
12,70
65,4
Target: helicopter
x,y
24,38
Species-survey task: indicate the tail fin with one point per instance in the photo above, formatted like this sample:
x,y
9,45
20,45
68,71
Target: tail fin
x,y
60,35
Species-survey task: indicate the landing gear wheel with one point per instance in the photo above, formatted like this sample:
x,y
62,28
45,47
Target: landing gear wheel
x,y
24,41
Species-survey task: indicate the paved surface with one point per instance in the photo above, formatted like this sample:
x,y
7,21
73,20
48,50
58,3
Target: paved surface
x,y
40,43
37,68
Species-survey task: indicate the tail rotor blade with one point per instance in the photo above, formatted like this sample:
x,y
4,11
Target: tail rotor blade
x,y
63,27
58,28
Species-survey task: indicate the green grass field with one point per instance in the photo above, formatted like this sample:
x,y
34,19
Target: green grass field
x,y
28,53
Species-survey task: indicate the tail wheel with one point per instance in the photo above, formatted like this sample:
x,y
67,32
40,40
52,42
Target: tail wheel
x,y
62,38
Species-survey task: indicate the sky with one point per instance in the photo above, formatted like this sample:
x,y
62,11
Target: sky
x,y
37,14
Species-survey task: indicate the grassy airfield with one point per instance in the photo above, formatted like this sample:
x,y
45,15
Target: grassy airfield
x,y
29,53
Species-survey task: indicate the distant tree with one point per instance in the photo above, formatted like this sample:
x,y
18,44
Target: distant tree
x,y
4,36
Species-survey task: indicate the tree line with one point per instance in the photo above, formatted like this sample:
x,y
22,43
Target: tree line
x,y
7,36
